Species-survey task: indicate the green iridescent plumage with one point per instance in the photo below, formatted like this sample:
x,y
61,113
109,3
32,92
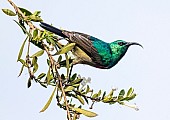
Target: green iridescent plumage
x,y
93,51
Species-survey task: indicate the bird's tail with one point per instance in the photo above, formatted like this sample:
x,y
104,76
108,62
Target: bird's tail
x,y
52,29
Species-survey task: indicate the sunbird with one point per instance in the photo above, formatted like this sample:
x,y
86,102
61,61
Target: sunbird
x,y
91,50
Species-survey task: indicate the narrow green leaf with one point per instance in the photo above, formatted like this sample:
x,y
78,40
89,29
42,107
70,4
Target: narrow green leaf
x,y
42,84
99,93
111,92
76,85
130,91
87,89
48,76
40,76
85,98
34,60
74,76
21,49
67,64
63,77
69,88
59,59
76,81
95,95
25,11
103,96
37,54
49,101
9,12
80,99
122,92
29,83
23,62
85,112
131,97
36,13
35,68
22,68
35,33
24,29
66,48
33,18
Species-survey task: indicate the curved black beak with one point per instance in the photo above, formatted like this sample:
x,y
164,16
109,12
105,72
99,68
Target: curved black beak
x,y
133,43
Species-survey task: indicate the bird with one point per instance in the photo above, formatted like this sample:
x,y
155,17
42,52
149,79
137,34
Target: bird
x,y
92,51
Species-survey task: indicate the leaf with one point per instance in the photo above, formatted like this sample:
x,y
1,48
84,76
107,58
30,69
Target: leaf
x,y
49,101
24,29
34,64
130,91
67,64
85,98
40,76
25,11
95,95
85,112
111,92
121,94
35,68
69,88
22,68
42,84
66,48
80,99
76,81
103,96
34,60
9,12
35,33
21,49
131,97
36,13
22,62
48,77
37,54
87,89
76,85
33,18
99,93
59,59
29,83
74,76
63,77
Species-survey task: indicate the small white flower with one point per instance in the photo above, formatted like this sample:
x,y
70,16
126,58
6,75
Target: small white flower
x,y
88,80
84,81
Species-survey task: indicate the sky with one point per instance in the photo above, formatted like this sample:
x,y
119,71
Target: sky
x,y
146,70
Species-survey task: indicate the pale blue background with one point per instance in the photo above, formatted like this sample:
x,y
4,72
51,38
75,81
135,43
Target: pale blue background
x,y
147,70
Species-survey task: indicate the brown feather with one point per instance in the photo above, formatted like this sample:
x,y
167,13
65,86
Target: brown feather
x,y
83,41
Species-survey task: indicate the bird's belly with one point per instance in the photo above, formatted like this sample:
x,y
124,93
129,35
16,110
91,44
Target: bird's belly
x,y
81,56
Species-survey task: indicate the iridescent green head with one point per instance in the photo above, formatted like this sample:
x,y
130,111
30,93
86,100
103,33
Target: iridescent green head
x,y
119,48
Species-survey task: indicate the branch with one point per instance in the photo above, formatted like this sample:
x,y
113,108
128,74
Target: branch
x,y
54,63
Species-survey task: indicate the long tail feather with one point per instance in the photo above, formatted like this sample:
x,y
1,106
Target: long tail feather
x,y
52,29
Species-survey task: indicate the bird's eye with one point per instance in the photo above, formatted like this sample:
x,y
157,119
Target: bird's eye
x,y
121,43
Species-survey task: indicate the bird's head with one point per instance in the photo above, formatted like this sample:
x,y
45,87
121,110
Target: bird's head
x,y
119,48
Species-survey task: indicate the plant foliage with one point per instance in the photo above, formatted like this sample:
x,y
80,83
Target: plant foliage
x,y
71,91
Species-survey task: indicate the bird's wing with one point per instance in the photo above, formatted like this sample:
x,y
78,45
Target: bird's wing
x,y
85,43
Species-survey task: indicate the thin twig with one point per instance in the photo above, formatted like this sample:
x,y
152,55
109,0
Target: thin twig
x,y
19,12
54,63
